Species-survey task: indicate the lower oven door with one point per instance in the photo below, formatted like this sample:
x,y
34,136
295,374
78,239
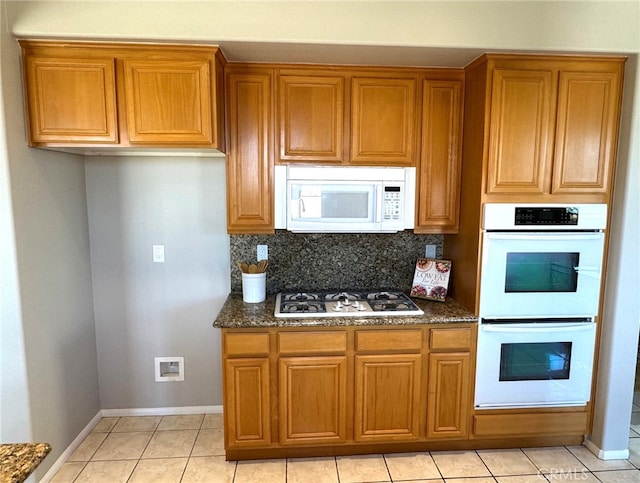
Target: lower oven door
x,y
534,364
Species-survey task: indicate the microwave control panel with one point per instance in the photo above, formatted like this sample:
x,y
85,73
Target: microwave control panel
x,y
392,202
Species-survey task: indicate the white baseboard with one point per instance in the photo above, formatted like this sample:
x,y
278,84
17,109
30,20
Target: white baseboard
x,y
71,448
620,454
109,413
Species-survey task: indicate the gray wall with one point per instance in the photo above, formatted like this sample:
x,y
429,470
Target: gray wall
x,y
428,29
145,309
49,368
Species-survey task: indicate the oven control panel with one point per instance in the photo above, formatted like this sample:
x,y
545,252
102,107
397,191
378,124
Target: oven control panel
x,y
546,215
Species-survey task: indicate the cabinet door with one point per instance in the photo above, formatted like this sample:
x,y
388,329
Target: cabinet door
x,y
448,400
439,170
311,118
521,132
250,156
246,408
71,100
588,112
383,121
387,397
312,400
169,101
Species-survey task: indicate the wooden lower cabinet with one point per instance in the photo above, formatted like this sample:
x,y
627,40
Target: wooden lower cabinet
x,y
312,400
320,391
387,397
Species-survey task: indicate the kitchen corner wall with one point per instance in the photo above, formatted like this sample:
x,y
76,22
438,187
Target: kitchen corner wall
x,y
325,261
144,309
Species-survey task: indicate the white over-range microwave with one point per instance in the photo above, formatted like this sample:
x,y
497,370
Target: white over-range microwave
x,y
332,199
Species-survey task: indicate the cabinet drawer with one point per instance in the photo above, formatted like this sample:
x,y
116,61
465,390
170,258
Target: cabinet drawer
x,y
450,339
246,344
316,342
389,340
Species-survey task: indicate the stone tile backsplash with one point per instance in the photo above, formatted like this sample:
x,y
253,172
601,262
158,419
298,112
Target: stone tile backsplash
x,y
330,261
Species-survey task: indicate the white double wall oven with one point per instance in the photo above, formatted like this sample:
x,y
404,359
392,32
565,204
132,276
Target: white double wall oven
x,y
539,296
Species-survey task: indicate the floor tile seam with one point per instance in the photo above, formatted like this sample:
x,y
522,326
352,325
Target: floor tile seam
x,y
335,463
384,460
97,449
84,465
428,453
485,463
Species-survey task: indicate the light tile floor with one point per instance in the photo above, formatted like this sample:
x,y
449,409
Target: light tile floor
x,y
190,449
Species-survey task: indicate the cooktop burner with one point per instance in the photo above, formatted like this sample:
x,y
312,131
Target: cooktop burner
x,y
345,304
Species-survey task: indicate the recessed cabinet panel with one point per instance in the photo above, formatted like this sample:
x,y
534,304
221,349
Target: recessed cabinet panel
x,y
521,131
585,139
313,400
250,162
438,181
247,408
387,397
383,121
448,402
71,100
311,117
168,101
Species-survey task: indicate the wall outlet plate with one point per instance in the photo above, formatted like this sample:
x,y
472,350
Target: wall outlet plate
x,y
262,252
430,251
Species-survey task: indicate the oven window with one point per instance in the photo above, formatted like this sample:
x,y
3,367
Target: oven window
x,y
541,272
535,361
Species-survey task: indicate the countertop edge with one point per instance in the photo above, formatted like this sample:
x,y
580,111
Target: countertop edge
x,y
19,460
236,314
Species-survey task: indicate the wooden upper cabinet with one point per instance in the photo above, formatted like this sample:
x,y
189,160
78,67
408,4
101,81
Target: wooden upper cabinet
x,y
383,121
84,94
311,118
168,101
438,175
586,132
250,159
553,127
70,100
344,116
520,149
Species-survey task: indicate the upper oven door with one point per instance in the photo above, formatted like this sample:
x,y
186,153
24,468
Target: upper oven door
x,y
541,274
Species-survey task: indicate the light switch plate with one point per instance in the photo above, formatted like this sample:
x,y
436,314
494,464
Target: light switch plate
x,y
158,253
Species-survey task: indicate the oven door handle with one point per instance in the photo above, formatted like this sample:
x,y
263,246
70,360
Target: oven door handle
x,y
544,236
588,271
531,328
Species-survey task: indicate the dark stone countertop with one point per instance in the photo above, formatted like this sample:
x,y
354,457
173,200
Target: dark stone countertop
x,y
17,461
235,314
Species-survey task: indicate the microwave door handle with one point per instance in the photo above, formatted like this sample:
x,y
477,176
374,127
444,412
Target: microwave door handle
x,y
378,203
534,328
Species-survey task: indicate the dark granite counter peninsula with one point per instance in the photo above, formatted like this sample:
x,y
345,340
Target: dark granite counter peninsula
x,y
17,461
235,314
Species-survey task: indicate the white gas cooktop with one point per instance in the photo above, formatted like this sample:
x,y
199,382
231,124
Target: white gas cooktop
x,y
345,304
